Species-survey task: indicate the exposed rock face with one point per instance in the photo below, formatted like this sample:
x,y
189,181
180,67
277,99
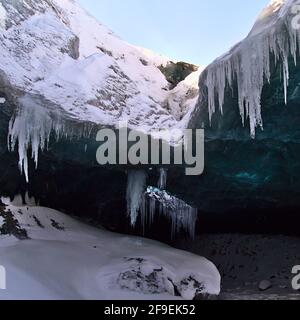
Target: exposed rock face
x,y
177,72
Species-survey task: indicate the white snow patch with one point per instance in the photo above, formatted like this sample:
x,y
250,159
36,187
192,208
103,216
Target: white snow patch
x,y
80,262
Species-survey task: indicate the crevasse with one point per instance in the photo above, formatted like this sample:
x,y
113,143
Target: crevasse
x,y
249,63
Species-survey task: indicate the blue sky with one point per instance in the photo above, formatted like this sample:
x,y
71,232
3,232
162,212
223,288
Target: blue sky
x,y
196,31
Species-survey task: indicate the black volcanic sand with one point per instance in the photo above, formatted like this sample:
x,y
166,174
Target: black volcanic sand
x,y
246,260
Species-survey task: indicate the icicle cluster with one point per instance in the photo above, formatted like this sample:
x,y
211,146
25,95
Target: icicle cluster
x,y
249,63
30,128
183,216
149,201
136,186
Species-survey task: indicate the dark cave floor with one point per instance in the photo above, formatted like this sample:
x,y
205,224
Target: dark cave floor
x,y
244,261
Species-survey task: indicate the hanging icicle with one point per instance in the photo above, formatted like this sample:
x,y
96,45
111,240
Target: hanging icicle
x,y
163,176
181,215
249,63
136,186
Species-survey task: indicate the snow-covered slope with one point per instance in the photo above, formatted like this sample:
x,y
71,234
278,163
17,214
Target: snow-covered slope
x,y
60,52
249,63
65,55
57,59
52,256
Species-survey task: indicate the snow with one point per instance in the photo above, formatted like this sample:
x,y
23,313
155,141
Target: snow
x,y
183,98
249,63
77,261
65,60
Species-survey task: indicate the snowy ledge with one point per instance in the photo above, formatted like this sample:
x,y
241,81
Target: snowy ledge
x,y
62,258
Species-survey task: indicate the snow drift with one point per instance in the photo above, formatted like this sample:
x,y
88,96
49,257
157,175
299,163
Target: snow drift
x,y
61,258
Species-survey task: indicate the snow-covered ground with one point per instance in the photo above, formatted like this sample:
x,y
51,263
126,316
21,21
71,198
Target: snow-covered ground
x,y
66,259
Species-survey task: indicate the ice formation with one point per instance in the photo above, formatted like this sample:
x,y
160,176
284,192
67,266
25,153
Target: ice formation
x,y
163,176
147,201
136,187
31,127
182,215
250,63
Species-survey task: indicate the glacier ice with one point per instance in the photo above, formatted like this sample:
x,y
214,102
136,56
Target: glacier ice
x,y
136,186
250,63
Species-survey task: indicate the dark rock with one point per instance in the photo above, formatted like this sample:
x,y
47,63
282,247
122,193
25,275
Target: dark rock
x,y
177,72
265,285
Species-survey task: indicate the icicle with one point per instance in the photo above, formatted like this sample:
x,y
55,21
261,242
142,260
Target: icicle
x,y
182,215
136,186
249,63
31,127
162,182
